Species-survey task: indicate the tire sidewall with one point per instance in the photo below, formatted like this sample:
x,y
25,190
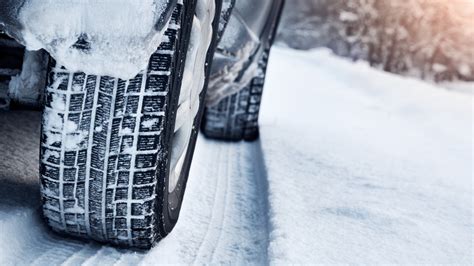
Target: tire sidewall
x,y
170,215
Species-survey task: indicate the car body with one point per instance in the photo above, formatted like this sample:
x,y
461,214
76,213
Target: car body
x,y
83,50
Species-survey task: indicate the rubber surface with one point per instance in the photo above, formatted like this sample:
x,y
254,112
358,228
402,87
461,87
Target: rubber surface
x,y
105,147
235,117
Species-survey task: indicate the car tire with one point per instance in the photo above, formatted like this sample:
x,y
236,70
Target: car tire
x,y
235,117
108,146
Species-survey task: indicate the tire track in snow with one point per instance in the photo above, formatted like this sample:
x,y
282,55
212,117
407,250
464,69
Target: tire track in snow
x,y
223,220
184,243
39,246
27,241
211,239
225,213
238,230
82,255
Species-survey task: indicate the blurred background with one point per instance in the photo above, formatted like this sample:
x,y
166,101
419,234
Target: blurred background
x,y
428,39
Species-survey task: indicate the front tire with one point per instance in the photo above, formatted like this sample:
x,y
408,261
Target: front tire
x,y
108,147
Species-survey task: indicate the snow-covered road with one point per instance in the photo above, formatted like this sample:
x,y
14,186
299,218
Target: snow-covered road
x,y
224,220
353,166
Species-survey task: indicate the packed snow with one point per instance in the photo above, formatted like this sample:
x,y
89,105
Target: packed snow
x,y
126,42
354,166
364,166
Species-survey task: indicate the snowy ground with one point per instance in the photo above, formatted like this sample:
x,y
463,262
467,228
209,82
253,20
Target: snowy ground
x,y
353,166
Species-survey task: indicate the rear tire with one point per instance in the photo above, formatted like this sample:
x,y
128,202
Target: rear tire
x,y
107,144
235,117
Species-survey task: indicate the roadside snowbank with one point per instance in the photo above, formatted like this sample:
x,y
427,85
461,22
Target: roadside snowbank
x,y
459,86
365,167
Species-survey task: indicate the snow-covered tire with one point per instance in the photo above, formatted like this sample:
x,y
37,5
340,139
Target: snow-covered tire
x,y
235,117
108,146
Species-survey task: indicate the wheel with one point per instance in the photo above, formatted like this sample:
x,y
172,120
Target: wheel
x,y
116,154
235,117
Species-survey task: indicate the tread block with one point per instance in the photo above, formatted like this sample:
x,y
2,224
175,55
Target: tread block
x,y
69,204
132,104
64,80
69,174
50,171
128,123
51,156
107,84
70,158
80,193
121,209
81,173
127,144
143,178
145,160
78,80
68,193
142,208
157,83
135,84
121,223
160,62
51,202
171,34
148,143
123,177
121,193
153,104
143,192
52,215
76,102
141,223
151,123
85,123
51,187
90,92
82,157
141,233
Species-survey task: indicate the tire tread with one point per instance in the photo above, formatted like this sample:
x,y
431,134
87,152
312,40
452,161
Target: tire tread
x,y
105,188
